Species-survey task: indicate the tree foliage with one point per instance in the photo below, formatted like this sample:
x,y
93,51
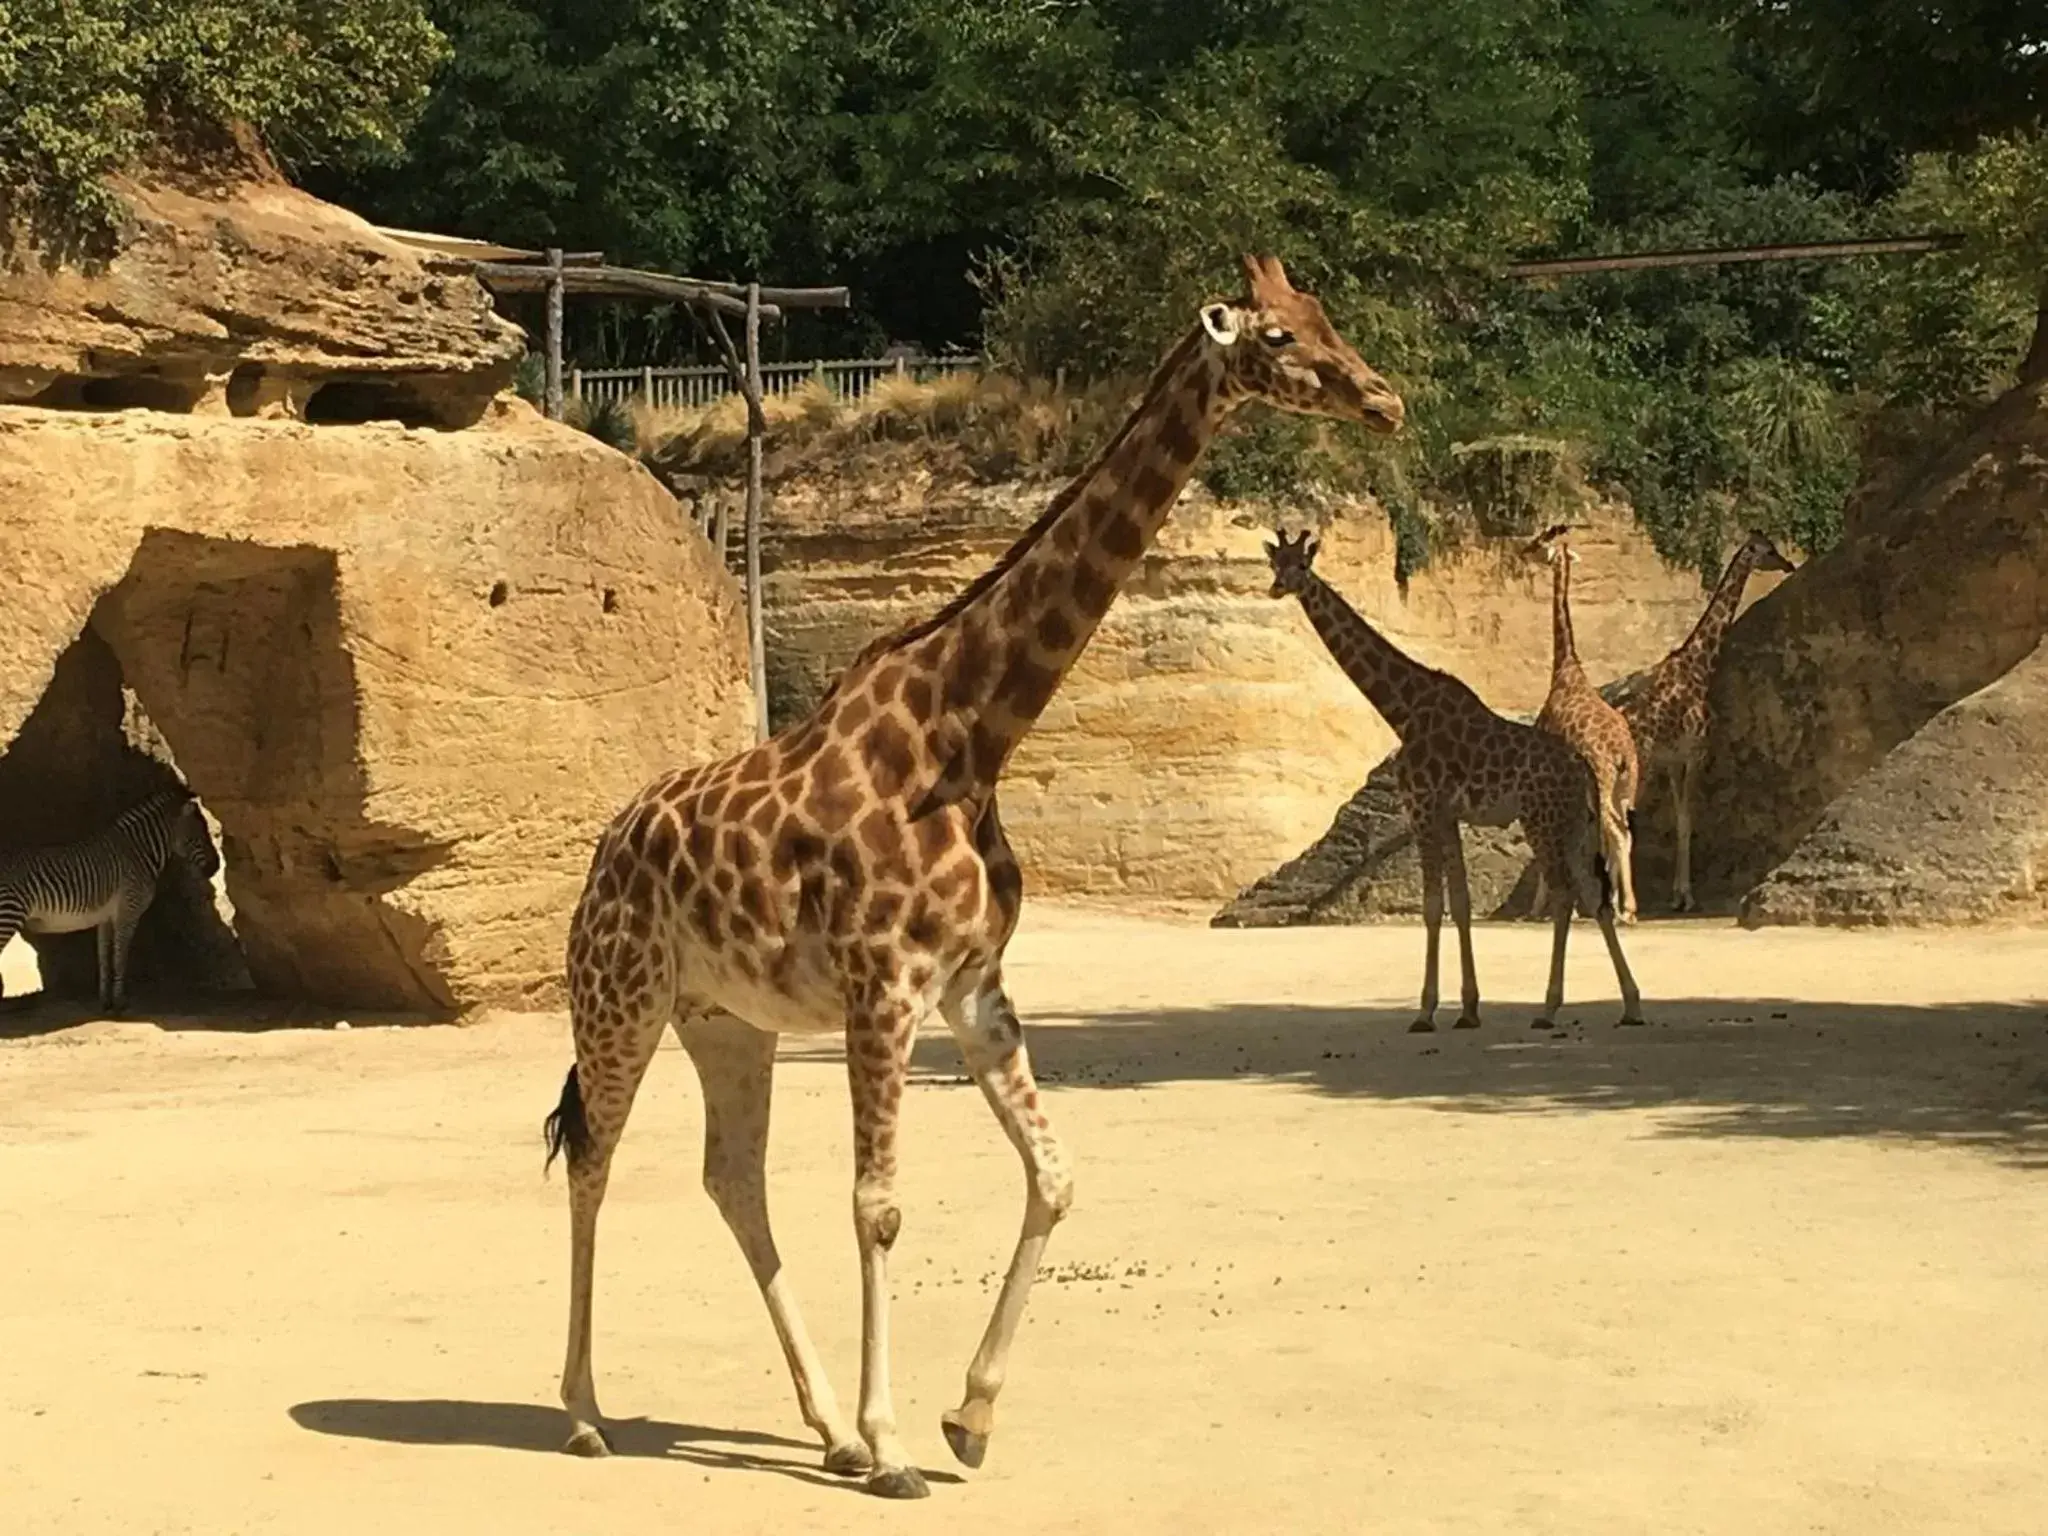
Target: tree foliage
x,y
92,86
1061,181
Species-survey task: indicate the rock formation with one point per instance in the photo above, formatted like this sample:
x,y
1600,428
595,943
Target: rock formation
x,y
1916,609
252,300
409,670
1951,827
1206,735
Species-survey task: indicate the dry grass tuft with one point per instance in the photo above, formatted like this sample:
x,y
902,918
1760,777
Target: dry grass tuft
x,y
980,426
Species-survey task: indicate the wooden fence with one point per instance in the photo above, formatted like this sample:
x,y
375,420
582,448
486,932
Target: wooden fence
x,y
848,378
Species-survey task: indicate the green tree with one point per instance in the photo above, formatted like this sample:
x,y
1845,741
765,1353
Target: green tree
x,y
89,87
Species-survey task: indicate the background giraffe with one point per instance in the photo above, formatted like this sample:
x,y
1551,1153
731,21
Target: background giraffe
x,y
1459,761
1667,710
1575,713
851,874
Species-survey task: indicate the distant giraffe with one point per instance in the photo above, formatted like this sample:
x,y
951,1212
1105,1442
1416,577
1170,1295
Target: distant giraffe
x,y
1575,713
1667,710
851,874
1461,762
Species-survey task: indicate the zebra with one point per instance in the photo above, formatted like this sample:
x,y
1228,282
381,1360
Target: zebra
x,y
106,882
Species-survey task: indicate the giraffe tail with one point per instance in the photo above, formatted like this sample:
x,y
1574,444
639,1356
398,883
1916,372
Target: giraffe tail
x,y
1606,884
565,1129
1631,823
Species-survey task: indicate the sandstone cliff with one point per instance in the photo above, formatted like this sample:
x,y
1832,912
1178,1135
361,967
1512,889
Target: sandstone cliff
x,y
1206,735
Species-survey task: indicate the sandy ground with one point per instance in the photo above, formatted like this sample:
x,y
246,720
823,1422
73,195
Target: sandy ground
x,y
1778,1263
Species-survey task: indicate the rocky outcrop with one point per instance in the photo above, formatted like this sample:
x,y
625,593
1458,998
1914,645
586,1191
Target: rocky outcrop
x,y
1914,610
252,299
1205,735
1951,827
410,672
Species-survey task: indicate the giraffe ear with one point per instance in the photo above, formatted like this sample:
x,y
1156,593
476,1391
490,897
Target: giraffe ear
x,y
1220,321
1309,547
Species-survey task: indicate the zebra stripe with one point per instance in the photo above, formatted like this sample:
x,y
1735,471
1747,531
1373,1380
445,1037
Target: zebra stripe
x,y
107,881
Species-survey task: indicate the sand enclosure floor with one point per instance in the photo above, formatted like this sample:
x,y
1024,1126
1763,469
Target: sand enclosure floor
x,y
1778,1263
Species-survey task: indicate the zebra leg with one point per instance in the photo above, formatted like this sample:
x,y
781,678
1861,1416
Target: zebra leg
x,y
103,933
13,913
121,927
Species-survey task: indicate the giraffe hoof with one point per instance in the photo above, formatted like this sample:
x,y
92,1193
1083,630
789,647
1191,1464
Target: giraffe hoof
x,y
898,1483
1541,1024
968,1448
1422,1027
588,1441
1467,1021
1628,1023
849,1460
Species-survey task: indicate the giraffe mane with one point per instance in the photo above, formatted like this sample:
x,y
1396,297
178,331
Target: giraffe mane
x,y
1007,561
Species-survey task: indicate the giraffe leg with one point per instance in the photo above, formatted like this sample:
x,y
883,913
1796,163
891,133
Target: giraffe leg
x,y
992,1041
878,1037
1631,999
1429,850
736,1066
1461,914
615,1040
1560,935
1681,808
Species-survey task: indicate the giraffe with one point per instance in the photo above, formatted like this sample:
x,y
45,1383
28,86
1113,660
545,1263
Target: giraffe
x,y
1667,709
1461,762
1576,714
851,874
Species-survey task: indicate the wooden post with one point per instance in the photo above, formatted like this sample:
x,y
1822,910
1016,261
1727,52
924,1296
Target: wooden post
x,y
575,383
553,397
647,384
757,427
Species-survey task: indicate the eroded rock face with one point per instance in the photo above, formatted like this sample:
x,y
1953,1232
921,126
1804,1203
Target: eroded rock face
x,y
1951,827
1915,610
411,672
253,300
1205,735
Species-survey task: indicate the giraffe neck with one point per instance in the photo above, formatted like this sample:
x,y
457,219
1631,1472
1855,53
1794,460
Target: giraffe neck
x,y
1564,653
1008,640
1713,622
1393,680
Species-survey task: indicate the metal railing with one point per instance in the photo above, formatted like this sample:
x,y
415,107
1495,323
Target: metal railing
x,y
847,378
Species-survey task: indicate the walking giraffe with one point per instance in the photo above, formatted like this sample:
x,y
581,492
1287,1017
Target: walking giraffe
x,y
1461,762
1575,713
1667,709
852,874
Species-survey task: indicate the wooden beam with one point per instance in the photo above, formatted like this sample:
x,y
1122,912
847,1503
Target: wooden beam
x,y
552,394
619,282
757,431
1824,250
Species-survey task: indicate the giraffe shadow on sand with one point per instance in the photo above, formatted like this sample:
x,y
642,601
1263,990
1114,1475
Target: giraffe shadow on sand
x,y
1965,1075
533,1427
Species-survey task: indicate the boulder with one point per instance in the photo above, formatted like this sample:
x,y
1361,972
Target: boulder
x,y
1951,827
411,672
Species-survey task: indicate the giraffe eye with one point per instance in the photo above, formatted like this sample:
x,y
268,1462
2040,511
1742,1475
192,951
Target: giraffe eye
x,y
1276,336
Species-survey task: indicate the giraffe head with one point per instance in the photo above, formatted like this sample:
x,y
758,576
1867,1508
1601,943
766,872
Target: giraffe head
x,y
1278,346
1293,561
1763,554
1551,545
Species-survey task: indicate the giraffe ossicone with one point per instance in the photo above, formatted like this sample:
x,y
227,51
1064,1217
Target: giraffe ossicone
x,y
851,875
